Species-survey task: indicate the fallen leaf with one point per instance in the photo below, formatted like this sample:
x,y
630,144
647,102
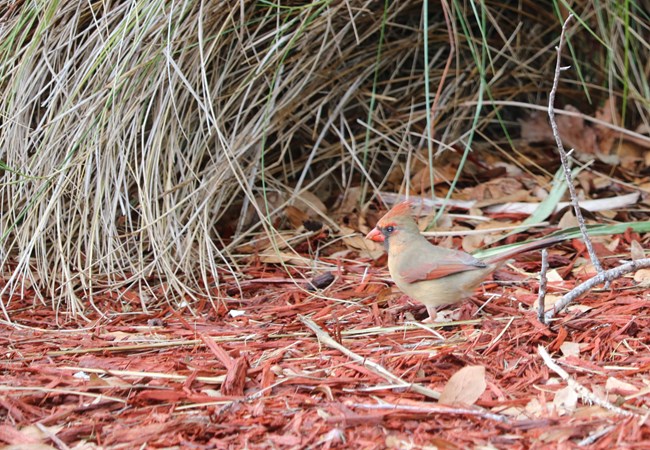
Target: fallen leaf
x,y
512,411
549,301
642,276
310,203
575,134
558,434
273,201
630,154
606,135
366,247
472,242
350,201
553,276
570,348
636,250
296,216
465,386
620,387
499,190
534,408
579,308
280,257
584,270
565,400
568,220
613,245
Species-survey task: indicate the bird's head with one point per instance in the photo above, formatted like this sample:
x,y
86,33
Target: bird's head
x,y
395,225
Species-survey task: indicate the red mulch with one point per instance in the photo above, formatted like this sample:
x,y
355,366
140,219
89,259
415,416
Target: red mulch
x,y
210,379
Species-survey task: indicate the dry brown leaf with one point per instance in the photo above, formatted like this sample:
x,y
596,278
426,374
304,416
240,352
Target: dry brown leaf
x,y
568,220
309,201
472,242
606,135
421,181
553,276
570,348
357,242
636,250
549,301
620,387
642,276
565,400
558,434
296,216
350,201
280,257
274,199
630,154
512,411
465,386
534,408
573,131
578,308
444,222
613,244
499,190
583,268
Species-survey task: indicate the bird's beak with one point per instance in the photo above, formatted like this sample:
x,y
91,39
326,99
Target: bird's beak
x,y
375,235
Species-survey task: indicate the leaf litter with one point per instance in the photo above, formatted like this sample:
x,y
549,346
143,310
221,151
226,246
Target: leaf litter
x,y
313,348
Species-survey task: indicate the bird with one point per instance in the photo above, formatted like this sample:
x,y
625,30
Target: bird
x,y
432,275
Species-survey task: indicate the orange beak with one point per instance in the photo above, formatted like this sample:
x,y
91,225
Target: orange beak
x,y
375,235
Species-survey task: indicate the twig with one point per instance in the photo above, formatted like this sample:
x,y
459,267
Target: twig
x,y
434,410
608,275
563,155
369,364
47,432
582,391
139,374
541,295
593,437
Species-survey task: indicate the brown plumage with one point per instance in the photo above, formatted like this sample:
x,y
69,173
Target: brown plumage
x,y
432,275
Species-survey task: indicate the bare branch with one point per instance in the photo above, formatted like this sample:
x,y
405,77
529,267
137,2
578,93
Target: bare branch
x,y
367,363
582,391
605,276
433,409
542,286
563,154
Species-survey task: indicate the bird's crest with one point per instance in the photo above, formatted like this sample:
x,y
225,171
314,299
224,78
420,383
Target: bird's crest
x,y
400,210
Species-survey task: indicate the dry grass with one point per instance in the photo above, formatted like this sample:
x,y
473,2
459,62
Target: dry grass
x,y
132,133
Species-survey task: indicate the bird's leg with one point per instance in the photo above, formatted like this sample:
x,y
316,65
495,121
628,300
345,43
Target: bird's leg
x,y
433,313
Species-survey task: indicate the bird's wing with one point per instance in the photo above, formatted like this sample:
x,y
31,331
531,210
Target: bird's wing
x,y
431,267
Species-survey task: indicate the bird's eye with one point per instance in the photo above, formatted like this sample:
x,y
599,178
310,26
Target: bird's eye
x,y
390,229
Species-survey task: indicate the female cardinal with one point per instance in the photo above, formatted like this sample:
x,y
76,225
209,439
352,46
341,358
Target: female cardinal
x,y
434,276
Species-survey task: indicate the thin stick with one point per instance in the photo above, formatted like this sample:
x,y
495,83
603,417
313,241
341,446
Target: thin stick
x,y
50,435
593,437
582,391
563,155
542,287
433,410
606,276
139,374
369,364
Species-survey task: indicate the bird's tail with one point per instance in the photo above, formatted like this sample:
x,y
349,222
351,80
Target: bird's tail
x,y
510,251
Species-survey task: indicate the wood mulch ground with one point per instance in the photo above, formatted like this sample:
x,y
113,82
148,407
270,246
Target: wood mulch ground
x,y
248,373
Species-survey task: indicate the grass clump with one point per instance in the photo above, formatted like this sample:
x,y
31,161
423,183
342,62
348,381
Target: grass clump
x,y
140,142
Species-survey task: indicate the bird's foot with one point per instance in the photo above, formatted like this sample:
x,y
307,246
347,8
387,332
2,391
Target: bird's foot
x,y
433,314
436,316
